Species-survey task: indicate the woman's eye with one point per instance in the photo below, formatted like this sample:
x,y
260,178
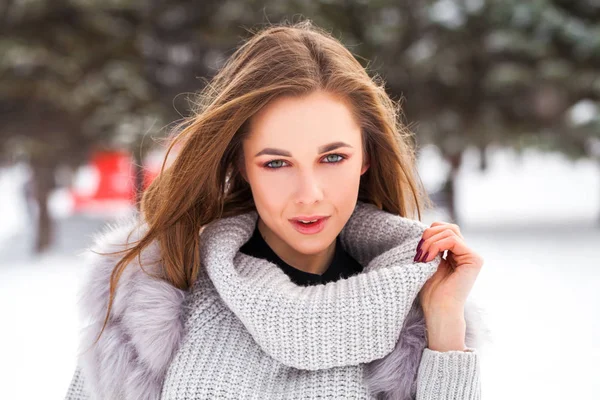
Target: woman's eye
x,y
269,164
334,160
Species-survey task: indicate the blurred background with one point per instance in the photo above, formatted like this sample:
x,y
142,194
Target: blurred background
x,y
503,97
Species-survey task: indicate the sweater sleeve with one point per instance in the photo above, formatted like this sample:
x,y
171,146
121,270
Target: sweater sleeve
x,y
76,390
449,375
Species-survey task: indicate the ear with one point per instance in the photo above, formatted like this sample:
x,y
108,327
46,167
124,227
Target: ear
x,y
365,166
242,168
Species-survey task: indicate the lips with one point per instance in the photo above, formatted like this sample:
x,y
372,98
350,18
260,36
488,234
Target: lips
x,y
308,218
311,228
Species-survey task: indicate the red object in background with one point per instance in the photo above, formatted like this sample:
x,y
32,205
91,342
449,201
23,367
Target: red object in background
x,y
116,176
108,182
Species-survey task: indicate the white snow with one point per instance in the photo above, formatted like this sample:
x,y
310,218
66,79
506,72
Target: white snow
x,y
540,289
533,219
12,201
38,340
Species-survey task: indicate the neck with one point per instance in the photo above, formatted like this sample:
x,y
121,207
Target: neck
x,y
312,263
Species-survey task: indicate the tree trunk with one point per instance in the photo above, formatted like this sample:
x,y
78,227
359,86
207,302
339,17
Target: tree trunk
x,y
450,185
43,182
483,159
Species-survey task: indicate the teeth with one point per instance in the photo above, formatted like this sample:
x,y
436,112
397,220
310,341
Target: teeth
x,y
307,222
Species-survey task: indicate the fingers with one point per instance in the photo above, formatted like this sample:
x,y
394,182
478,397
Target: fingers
x,y
439,238
441,242
439,226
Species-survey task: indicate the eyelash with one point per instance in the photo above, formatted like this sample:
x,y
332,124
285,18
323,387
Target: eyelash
x,y
342,158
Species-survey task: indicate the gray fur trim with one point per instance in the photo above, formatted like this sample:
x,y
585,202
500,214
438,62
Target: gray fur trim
x,y
145,326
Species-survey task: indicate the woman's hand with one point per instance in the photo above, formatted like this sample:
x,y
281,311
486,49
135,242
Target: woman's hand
x,y
444,295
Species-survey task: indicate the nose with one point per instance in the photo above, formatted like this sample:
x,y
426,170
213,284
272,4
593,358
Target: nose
x,y
309,188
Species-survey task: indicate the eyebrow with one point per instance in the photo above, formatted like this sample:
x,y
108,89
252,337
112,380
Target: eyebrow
x,y
323,149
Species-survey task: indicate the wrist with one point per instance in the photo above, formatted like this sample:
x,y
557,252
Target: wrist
x,y
446,333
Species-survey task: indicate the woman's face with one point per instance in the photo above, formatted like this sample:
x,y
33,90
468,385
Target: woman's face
x,y
304,157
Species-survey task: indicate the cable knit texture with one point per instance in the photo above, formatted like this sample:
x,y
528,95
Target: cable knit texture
x,y
245,330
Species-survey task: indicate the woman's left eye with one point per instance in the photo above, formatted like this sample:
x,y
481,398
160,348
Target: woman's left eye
x,y
335,155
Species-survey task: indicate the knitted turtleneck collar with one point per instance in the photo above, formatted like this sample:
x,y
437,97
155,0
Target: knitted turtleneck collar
x,y
350,321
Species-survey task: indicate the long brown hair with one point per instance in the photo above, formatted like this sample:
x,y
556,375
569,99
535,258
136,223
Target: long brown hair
x,y
204,182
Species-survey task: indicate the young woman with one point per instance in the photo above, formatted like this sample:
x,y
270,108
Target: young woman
x,y
278,256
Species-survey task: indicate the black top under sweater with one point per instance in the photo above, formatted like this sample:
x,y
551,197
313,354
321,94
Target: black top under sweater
x,y
343,264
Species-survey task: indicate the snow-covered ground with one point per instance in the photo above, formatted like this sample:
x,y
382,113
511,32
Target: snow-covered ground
x,y
532,220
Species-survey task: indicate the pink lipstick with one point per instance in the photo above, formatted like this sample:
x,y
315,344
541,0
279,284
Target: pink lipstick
x,y
309,225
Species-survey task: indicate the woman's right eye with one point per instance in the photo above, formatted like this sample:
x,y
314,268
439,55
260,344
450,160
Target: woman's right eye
x,y
269,166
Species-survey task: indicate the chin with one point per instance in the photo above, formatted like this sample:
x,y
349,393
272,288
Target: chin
x,y
310,251
311,244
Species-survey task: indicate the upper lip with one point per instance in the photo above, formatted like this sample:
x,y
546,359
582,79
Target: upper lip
x,y
307,218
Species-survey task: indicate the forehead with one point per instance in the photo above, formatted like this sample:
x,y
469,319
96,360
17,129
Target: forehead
x,y
312,119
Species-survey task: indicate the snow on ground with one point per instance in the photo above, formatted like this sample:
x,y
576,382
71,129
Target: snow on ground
x,y
39,318
11,181
532,220
540,291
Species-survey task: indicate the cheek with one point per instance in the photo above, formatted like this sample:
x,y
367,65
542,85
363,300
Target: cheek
x,y
342,182
270,190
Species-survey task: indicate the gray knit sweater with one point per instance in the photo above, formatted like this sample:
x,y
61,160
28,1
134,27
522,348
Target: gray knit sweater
x,y
245,331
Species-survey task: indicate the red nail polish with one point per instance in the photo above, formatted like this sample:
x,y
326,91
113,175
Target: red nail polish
x,y
425,257
419,245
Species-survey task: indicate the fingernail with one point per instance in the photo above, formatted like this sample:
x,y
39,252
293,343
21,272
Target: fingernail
x,y
424,257
419,245
417,256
